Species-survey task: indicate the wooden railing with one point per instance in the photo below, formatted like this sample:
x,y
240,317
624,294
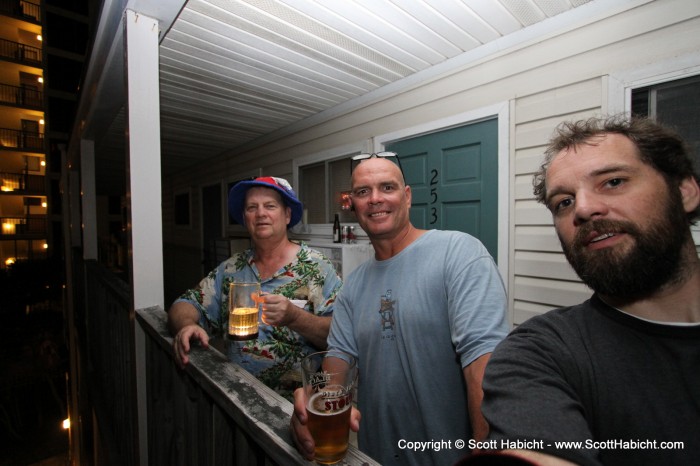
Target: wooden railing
x,y
211,413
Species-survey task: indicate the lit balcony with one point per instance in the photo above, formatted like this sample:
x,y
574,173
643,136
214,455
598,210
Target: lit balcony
x,y
22,184
27,227
15,139
21,97
21,9
20,53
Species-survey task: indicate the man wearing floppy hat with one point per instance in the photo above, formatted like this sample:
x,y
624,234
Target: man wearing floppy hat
x,y
268,207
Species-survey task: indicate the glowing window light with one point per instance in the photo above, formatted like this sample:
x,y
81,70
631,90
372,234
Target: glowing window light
x,y
10,261
10,185
8,228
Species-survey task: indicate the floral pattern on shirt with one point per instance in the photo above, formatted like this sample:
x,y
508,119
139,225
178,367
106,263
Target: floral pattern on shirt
x,y
274,356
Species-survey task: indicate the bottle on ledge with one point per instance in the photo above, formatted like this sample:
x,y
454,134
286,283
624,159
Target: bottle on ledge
x,y
336,229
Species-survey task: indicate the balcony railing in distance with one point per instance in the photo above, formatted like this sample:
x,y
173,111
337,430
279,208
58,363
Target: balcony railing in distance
x,y
22,9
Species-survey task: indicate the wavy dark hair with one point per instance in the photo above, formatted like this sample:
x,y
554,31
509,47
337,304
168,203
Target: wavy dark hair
x,y
657,145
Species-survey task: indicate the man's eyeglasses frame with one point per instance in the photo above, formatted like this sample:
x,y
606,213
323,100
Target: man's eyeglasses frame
x,y
356,159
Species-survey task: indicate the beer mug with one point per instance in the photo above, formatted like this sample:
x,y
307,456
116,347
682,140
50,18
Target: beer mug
x,y
329,382
243,307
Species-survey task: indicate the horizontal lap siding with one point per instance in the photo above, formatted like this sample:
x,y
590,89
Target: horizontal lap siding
x,y
542,277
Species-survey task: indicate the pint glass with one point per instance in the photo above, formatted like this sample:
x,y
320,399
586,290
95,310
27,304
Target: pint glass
x,y
243,307
329,382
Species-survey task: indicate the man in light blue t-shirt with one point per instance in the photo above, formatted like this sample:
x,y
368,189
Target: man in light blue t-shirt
x,y
422,318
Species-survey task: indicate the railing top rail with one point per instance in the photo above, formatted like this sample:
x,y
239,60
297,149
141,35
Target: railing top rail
x,y
19,131
247,400
19,44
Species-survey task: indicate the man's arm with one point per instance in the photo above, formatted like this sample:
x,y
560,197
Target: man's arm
x,y
279,311
313,328
182,321
473,376
181,314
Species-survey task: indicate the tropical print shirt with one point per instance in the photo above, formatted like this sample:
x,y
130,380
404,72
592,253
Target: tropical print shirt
x,y
275,355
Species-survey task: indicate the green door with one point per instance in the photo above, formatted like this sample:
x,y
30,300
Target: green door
x,y
453,176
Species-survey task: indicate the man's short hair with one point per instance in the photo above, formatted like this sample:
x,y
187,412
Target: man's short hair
x,y
658,146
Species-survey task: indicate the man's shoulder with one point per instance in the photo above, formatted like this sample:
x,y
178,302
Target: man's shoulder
x,y
566,316
312,254
237,260
451,239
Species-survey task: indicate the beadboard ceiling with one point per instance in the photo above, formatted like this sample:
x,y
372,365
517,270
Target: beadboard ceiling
x,y
234,73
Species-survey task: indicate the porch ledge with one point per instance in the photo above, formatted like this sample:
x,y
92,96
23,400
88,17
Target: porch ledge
x,y
255,408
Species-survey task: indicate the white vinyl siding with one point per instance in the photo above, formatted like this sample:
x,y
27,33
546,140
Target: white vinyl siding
x,y
544,80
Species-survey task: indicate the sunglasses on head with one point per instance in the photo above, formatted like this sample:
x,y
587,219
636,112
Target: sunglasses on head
x,y
393,156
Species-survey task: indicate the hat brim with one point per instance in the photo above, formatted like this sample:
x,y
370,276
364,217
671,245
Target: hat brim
x,y
236,199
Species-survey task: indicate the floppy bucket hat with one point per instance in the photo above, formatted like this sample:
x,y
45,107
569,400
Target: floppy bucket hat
x,y
236,197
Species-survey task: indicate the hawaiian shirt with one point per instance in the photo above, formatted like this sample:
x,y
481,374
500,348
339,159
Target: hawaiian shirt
x,y
275,355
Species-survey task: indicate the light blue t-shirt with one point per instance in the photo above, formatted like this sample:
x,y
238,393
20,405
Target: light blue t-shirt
x,y
414,321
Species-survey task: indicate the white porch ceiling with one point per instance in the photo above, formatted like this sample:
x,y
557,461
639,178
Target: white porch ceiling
x,y
237,72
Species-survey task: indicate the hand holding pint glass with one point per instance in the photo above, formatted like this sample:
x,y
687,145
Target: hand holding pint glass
x,y
329,382
243,306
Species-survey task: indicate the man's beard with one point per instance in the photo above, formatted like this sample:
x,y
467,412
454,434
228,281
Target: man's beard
x,y
654,260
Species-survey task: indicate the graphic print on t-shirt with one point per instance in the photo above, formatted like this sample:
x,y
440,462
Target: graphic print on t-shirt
x,y
386,312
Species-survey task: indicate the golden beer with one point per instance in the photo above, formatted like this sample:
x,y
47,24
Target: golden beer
x,y
243,306
329,424
243,322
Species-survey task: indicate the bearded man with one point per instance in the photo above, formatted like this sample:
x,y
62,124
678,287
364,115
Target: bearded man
x,y
618,376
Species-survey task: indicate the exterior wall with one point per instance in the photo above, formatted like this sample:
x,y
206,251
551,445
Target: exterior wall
x,y
543,82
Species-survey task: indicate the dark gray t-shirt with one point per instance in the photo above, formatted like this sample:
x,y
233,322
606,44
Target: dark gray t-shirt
x,y
589,373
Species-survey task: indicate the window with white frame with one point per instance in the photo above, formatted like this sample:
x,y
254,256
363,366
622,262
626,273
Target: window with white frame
x,y
675,104
322,187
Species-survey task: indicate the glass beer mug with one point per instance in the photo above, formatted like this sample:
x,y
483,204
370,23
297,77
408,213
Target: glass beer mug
x,y
243,309
329,379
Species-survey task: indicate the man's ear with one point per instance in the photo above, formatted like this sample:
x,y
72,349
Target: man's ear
x,y
690,193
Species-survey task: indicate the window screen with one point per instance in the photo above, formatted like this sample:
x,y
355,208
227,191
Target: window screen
x,y
675,104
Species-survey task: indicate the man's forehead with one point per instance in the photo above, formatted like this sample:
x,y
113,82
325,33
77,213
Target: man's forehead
x,y
376,167
606,148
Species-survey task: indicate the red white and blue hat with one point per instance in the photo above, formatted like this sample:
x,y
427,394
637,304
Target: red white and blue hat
x,y
236,197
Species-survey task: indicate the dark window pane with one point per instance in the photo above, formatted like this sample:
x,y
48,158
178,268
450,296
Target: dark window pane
x,y
675,104
182,209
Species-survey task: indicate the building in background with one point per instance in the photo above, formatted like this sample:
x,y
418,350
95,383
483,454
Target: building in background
x,y
42,50
43,45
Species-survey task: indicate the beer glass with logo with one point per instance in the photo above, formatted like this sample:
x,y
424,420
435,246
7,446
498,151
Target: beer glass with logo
x,y
243,307
329,382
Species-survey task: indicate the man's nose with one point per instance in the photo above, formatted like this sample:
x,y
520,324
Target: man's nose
x,y
589,205
375,196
